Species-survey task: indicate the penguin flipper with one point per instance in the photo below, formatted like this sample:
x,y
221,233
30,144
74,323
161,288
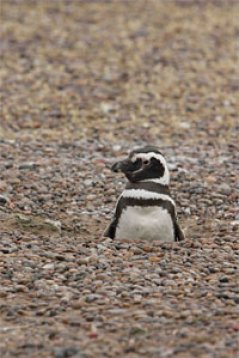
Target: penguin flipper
x,y
179,235
110,230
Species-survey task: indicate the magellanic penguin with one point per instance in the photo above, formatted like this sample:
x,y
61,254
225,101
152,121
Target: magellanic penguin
x,y
145,209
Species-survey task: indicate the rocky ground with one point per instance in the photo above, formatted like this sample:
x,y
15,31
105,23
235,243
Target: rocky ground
x,y
82,83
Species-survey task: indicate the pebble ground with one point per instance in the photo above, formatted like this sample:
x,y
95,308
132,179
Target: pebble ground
x,y
82,83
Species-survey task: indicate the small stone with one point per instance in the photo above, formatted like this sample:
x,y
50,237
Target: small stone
x,y
28,166
154,259
106,107
23,219
224,189
54,225
91,197
91,298
49,266
235,223
137,298
211,179
65,352
88,182
3,200
224,279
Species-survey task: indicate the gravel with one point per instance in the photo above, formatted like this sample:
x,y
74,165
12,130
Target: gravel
x,y
83,83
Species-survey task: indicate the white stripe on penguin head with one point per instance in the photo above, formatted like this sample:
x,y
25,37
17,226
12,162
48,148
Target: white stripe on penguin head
x,y
165,179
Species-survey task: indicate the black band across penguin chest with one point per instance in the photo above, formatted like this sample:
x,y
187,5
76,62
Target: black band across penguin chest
x,y
150,186
139,200
149,204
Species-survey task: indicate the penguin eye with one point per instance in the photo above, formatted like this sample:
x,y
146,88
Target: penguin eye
x,y
145,161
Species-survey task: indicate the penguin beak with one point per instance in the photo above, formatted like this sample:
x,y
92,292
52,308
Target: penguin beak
x,y
124,166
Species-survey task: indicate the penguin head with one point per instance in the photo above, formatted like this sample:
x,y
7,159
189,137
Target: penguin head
x,y
144,164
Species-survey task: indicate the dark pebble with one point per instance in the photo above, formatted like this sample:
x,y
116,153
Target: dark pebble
x,y
224,279
65,352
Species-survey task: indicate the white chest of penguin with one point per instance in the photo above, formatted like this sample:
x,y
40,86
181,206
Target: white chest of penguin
x,y
145,223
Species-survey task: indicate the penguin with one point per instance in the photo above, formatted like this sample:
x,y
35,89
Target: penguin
x,y
145,209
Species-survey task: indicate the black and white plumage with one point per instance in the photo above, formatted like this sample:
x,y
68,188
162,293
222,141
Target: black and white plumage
x,y
145,209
